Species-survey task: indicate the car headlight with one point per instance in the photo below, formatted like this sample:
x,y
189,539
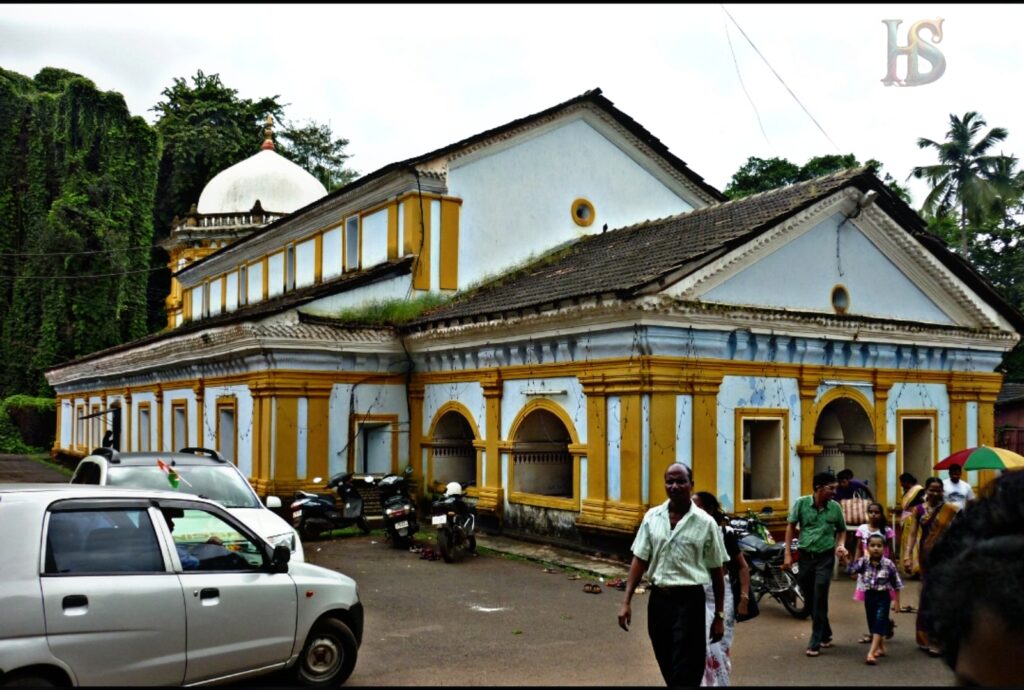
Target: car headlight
x,y
287,539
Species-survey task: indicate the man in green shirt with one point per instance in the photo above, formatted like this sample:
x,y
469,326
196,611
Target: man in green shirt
x,y
681,548
822,535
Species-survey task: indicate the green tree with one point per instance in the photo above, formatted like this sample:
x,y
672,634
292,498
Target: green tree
x,y
968,180
761,175
312,145
78,177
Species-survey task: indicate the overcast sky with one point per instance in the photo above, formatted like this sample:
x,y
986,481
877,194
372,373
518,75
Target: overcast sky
x,y
400,80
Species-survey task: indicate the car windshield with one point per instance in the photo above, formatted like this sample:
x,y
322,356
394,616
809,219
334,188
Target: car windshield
x,y
222,484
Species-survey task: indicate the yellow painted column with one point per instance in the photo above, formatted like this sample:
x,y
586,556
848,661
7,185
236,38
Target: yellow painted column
x,y
126,419
806,449
56,439
415,393
883,448
593,507
286,423
393,249
986,430
261,418
705,430
631,429
318,427
449,244
663,442
158,411
492,494
199,391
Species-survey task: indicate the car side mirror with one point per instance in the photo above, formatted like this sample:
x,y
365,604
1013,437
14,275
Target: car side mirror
x,y
273,502
279,560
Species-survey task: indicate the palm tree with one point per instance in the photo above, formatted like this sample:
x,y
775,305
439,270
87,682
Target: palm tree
x,y
967,177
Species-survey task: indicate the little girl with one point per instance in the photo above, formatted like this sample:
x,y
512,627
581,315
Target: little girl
x,y
878,577
876,524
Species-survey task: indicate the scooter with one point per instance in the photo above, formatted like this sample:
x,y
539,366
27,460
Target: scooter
x,y
314,514
765,559
399,510
455,521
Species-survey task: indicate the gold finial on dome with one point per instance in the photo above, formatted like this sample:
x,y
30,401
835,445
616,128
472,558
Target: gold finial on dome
x,y
268,131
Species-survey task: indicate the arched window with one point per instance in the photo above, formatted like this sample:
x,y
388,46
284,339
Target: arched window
x,y
541,460
454,457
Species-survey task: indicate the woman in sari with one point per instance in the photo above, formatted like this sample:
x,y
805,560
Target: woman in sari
x,y
929,521
913,496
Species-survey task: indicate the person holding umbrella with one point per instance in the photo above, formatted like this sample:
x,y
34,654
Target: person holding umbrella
x,y
930,521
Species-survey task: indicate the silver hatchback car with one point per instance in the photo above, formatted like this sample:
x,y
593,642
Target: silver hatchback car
x,y
108,586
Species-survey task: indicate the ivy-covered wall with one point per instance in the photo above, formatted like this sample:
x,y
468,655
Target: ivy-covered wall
x,y
78,179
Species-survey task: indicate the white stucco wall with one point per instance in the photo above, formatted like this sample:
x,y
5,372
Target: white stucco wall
x,y
243,422
517,201
759,392
167,419
468,394
875,285
514,398
394,288
369,399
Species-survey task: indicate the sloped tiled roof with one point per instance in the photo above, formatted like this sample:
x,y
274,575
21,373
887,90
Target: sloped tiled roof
x,y
622,261
1010,392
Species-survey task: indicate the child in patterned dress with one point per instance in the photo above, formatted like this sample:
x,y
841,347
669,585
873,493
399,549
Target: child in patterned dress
x,y
878,577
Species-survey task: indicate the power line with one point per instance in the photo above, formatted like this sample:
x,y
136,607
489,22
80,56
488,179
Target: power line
x,y
83,253
781,80
743,86
85,275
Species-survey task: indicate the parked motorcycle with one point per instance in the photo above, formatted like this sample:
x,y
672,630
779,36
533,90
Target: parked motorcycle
x,y
314,514
765,559
399,509
455,521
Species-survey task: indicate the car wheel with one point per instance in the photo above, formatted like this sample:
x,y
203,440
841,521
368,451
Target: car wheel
x,y
27,680
329,655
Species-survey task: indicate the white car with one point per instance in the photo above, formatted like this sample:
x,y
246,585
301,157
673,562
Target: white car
x,y
198,471
101,586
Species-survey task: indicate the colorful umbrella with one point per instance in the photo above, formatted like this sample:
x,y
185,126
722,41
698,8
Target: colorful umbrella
x,y
983,458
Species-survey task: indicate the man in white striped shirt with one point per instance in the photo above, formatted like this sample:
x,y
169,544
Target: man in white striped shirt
x,y
682,548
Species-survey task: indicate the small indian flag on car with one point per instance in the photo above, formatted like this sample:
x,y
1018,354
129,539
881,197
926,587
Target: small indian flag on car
x,y
172,475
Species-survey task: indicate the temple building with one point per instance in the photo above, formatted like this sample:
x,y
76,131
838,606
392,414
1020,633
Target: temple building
x,y
593,310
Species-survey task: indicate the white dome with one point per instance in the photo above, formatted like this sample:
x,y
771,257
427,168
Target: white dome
x,y
280,186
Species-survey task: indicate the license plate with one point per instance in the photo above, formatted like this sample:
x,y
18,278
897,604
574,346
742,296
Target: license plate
x,y
439,520
795,568
401,525
297,514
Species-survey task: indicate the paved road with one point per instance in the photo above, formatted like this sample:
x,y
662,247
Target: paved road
x,y
495,621
20,468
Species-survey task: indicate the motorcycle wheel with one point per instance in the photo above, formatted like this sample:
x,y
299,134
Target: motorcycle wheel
x,y
362,524
308,532
793,599
452,543
471,544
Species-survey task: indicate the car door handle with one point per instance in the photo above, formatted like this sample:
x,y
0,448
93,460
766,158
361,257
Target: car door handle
x,y
75,601
209,593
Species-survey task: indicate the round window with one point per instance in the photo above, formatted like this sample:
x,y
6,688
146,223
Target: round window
x,y
583,212
840,299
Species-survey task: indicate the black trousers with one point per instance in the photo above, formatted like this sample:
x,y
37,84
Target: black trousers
x,y
675,624
815,578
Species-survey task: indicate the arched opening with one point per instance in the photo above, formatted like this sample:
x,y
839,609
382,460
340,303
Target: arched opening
x,y
454,457
541,461
847,438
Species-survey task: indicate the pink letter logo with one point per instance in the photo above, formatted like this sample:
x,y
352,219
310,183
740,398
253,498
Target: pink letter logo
x,y
916,47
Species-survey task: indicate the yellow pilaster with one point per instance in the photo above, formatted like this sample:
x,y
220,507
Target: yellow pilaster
x,y
705,429
392,231
317,425
158,412
318,258
126,419
631,423
592,508
492,493
883,448
200,392
286,439
806,449
986,429
56,439
261,418
449,260
415,393
663,442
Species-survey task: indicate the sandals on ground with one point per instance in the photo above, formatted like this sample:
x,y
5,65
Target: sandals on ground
x,y
871,660
865,639
592,588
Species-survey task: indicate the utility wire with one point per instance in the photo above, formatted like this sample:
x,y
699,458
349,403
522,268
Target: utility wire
x,y
820,128
85,275
85,253
743,86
